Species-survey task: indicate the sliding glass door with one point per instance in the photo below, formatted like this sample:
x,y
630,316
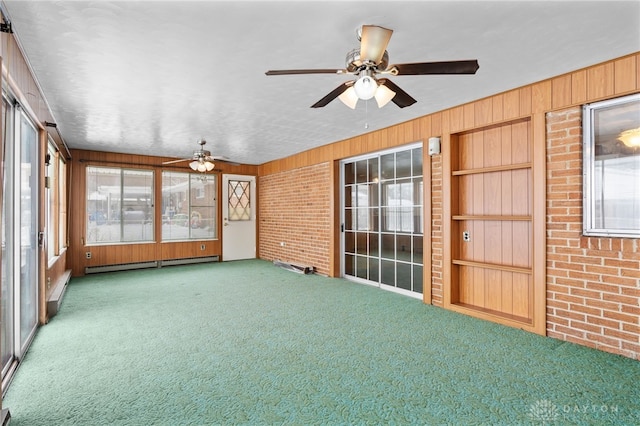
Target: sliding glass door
x,y
19,265
382,219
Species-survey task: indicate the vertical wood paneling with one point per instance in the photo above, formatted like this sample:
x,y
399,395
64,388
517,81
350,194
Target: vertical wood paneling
x,y
625,75
561,91
483,112
525,101
541,96
600,83
497,108
469,115
456,119
511,104
579,87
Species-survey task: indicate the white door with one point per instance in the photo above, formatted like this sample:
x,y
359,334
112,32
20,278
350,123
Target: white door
x,y
238,217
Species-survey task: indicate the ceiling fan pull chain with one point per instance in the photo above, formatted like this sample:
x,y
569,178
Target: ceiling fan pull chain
x,y
366,114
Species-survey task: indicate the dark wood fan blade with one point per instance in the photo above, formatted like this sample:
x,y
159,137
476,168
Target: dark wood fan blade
x,y
402,98
334,94
374,42
446,67
318,71
178,161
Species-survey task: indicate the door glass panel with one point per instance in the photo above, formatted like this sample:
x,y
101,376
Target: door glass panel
x,y
349,174
361,171
403,164
416,161
387,166
28,230
403,271
239,200
388,272
383,197
348,264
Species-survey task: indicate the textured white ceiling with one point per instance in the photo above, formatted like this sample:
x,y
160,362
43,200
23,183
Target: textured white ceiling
x,y
154,77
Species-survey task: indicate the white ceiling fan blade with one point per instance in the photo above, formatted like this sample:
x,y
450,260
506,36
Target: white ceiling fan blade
x,y
373,43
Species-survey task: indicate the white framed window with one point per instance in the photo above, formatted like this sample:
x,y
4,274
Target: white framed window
x,y
611,168
119,205
189,206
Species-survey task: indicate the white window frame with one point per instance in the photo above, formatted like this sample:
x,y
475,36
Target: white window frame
x,y
590,227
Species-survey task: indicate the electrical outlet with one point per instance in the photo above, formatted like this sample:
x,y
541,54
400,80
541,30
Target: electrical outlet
x,y
88,255
466,236
48,283
202,247
282,244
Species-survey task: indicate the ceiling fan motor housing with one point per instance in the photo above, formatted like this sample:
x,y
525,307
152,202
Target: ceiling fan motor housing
x,y
354,64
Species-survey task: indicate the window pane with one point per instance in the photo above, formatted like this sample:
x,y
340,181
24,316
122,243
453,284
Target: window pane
x,y
203,206
50,200
188,206
62,204
612,165
137,202
119,205
175,206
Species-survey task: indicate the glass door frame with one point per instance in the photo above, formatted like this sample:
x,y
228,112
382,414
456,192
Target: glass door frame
x,y
18,249
380,218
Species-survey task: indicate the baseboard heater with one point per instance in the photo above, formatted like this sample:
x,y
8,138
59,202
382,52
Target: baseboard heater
x,y
122,267
294,268
189,260
151,264
55,298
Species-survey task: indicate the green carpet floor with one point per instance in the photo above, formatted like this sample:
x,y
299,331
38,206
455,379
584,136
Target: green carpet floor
x,y
250,343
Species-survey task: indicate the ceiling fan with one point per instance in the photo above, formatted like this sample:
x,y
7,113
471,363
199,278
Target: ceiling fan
x,y
371,60
201,160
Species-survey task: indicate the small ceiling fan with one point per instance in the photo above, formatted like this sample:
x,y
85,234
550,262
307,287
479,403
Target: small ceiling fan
x,y
372,59
201,160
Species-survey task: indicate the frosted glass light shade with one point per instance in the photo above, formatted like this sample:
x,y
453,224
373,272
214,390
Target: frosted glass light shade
x,y
365,87
383,95
349,97
201,165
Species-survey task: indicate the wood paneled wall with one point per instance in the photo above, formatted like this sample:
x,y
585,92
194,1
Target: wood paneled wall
x,y
19,81
115,254
529,103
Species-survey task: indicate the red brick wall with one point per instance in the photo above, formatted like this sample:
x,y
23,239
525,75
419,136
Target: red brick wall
x,y
294,209
593,284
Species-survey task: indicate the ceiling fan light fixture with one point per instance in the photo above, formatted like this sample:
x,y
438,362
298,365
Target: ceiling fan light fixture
x,y
630,138
384,95
201,165
365,87
349,97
